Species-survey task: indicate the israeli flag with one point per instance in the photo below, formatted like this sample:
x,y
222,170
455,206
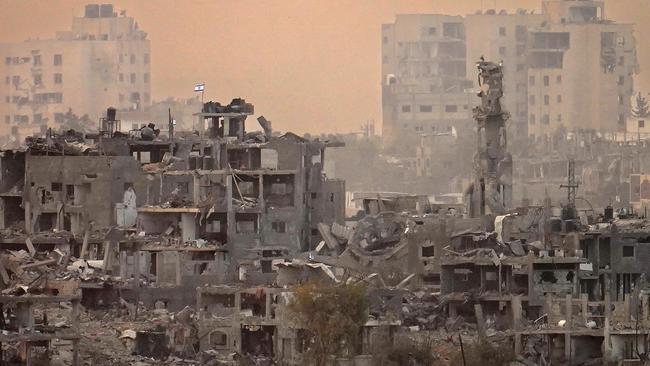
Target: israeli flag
x,y
199,87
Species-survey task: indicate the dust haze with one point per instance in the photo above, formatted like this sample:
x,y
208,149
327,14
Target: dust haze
x,y
312,66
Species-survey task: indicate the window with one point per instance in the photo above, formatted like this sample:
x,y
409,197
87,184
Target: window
x,y
146,97
559,98
429,251
502,31
432,31
146,77
546,80
641,123
621,80
132,59
132,78
406,108
426,108
121,77
121,97
7,60
213,226
314,232
37,60
15,80
502,51
58,117
628,251
521,50
58,60
621,61
531,99
146,58
57,187
621,119
559,118
620,41
314,195
531,119
521,67
38,79
531,80
384,40
621,99
546,100
58,78
546,119
558,79
279,226
451,108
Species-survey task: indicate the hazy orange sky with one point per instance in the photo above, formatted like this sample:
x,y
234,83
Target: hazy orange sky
x,y
307,65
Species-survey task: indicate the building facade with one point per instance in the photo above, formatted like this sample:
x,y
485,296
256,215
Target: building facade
x,y
568,68
424,78
581,68
104,59
502,36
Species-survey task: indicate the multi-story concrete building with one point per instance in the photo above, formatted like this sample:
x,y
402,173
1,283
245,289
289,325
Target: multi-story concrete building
x,y
103,60
424,78
581,68
504,36
568,68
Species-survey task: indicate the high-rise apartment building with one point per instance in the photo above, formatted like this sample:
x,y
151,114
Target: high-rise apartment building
x,y
104,60
581,69
424,78
502,36
568,68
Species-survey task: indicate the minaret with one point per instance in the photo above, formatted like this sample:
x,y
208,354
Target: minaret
x,y
491,192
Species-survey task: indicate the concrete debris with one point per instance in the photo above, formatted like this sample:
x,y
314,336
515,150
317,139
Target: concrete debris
x,y
188,249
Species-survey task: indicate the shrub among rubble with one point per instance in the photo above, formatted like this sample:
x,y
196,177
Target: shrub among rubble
x,y
333,315
418,353
484,353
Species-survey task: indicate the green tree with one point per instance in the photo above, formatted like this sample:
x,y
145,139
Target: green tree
x,y
333,315
642,109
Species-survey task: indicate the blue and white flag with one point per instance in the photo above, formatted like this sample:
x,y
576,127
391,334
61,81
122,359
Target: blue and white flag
x,y
199,87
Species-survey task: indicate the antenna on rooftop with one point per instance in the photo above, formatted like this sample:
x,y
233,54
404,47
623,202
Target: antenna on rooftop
x,y
571,186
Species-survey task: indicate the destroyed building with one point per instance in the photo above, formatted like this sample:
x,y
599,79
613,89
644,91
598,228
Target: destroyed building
x,y
220,205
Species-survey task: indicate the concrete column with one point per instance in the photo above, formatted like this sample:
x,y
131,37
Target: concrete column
x,y
627,307
3,224
268,303
607,342
644,306
516,312
179,268
584,308
28,217
108,249
480,320
568,299
123,264
568,327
